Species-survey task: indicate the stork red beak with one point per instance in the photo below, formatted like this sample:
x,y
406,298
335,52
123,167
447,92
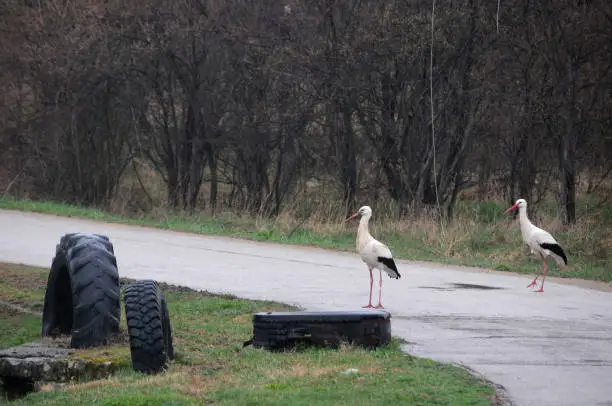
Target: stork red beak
x,y
509,209
352,217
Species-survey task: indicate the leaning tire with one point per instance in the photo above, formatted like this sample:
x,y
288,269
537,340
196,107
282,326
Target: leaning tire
x,y
82,295
148,327
167,328
71,239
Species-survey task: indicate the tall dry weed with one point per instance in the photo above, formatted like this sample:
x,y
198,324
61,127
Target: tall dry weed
x,y
478,229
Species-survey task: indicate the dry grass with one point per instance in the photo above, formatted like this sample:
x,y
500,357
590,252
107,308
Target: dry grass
x,y
479,234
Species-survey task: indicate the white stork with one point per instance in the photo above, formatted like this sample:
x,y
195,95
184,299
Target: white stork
x,y
542,244
374,253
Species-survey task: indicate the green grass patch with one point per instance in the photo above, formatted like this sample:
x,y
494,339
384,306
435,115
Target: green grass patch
x,y
480,234
212,367
17,328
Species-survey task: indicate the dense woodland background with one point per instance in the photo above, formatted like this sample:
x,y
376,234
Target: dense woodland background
x,y
254,105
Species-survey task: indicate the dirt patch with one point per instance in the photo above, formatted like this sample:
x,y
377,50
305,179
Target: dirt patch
x,y
11,309
8,312
22,277
63,341
22,288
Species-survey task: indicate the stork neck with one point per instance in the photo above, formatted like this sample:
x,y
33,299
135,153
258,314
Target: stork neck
x,y
523,219
363,231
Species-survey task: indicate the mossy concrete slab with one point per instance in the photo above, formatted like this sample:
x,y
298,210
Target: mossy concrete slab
x,y
52,361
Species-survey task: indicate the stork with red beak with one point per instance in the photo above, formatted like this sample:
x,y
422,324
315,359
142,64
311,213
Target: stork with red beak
x,y
374,253
542,244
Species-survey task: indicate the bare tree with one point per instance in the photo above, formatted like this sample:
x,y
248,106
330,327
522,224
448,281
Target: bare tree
x,y
260,96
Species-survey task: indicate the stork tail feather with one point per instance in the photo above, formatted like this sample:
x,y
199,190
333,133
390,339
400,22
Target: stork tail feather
x,y
391,267
556,249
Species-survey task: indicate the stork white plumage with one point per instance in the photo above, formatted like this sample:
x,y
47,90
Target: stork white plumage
x,y
374,253
542,244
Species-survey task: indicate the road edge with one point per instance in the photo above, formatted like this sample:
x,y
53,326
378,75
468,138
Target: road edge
x,y
501,398
600,286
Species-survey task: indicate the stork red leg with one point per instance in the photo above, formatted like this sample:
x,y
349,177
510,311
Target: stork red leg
x,y
533,283
379,305
369,305
545,268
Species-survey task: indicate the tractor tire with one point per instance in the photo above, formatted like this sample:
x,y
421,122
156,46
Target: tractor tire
x,y
83,296
167,328
283,330
149,327
71,239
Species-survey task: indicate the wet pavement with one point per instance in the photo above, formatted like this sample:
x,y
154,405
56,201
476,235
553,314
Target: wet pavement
x,y
545,349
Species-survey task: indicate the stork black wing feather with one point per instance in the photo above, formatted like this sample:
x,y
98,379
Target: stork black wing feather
x,y
390,263
556,248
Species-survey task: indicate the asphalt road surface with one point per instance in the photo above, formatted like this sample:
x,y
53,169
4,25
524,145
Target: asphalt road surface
x,y
545,349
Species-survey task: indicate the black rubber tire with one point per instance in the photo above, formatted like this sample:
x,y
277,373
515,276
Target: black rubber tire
x,y
282,330
167,326
71,239
83,295
149,327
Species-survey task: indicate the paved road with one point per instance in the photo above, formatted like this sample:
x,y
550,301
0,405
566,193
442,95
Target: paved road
x,y
550,349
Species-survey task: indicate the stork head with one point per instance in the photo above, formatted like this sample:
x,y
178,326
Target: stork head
x,y
364,211
519,204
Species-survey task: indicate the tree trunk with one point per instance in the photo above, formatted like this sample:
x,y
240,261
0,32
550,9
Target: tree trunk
x,y
198,162
174,195
567,158
568,177
214,182
345,151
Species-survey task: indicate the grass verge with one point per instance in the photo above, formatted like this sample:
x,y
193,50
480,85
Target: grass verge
x,y
212,366
480,235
